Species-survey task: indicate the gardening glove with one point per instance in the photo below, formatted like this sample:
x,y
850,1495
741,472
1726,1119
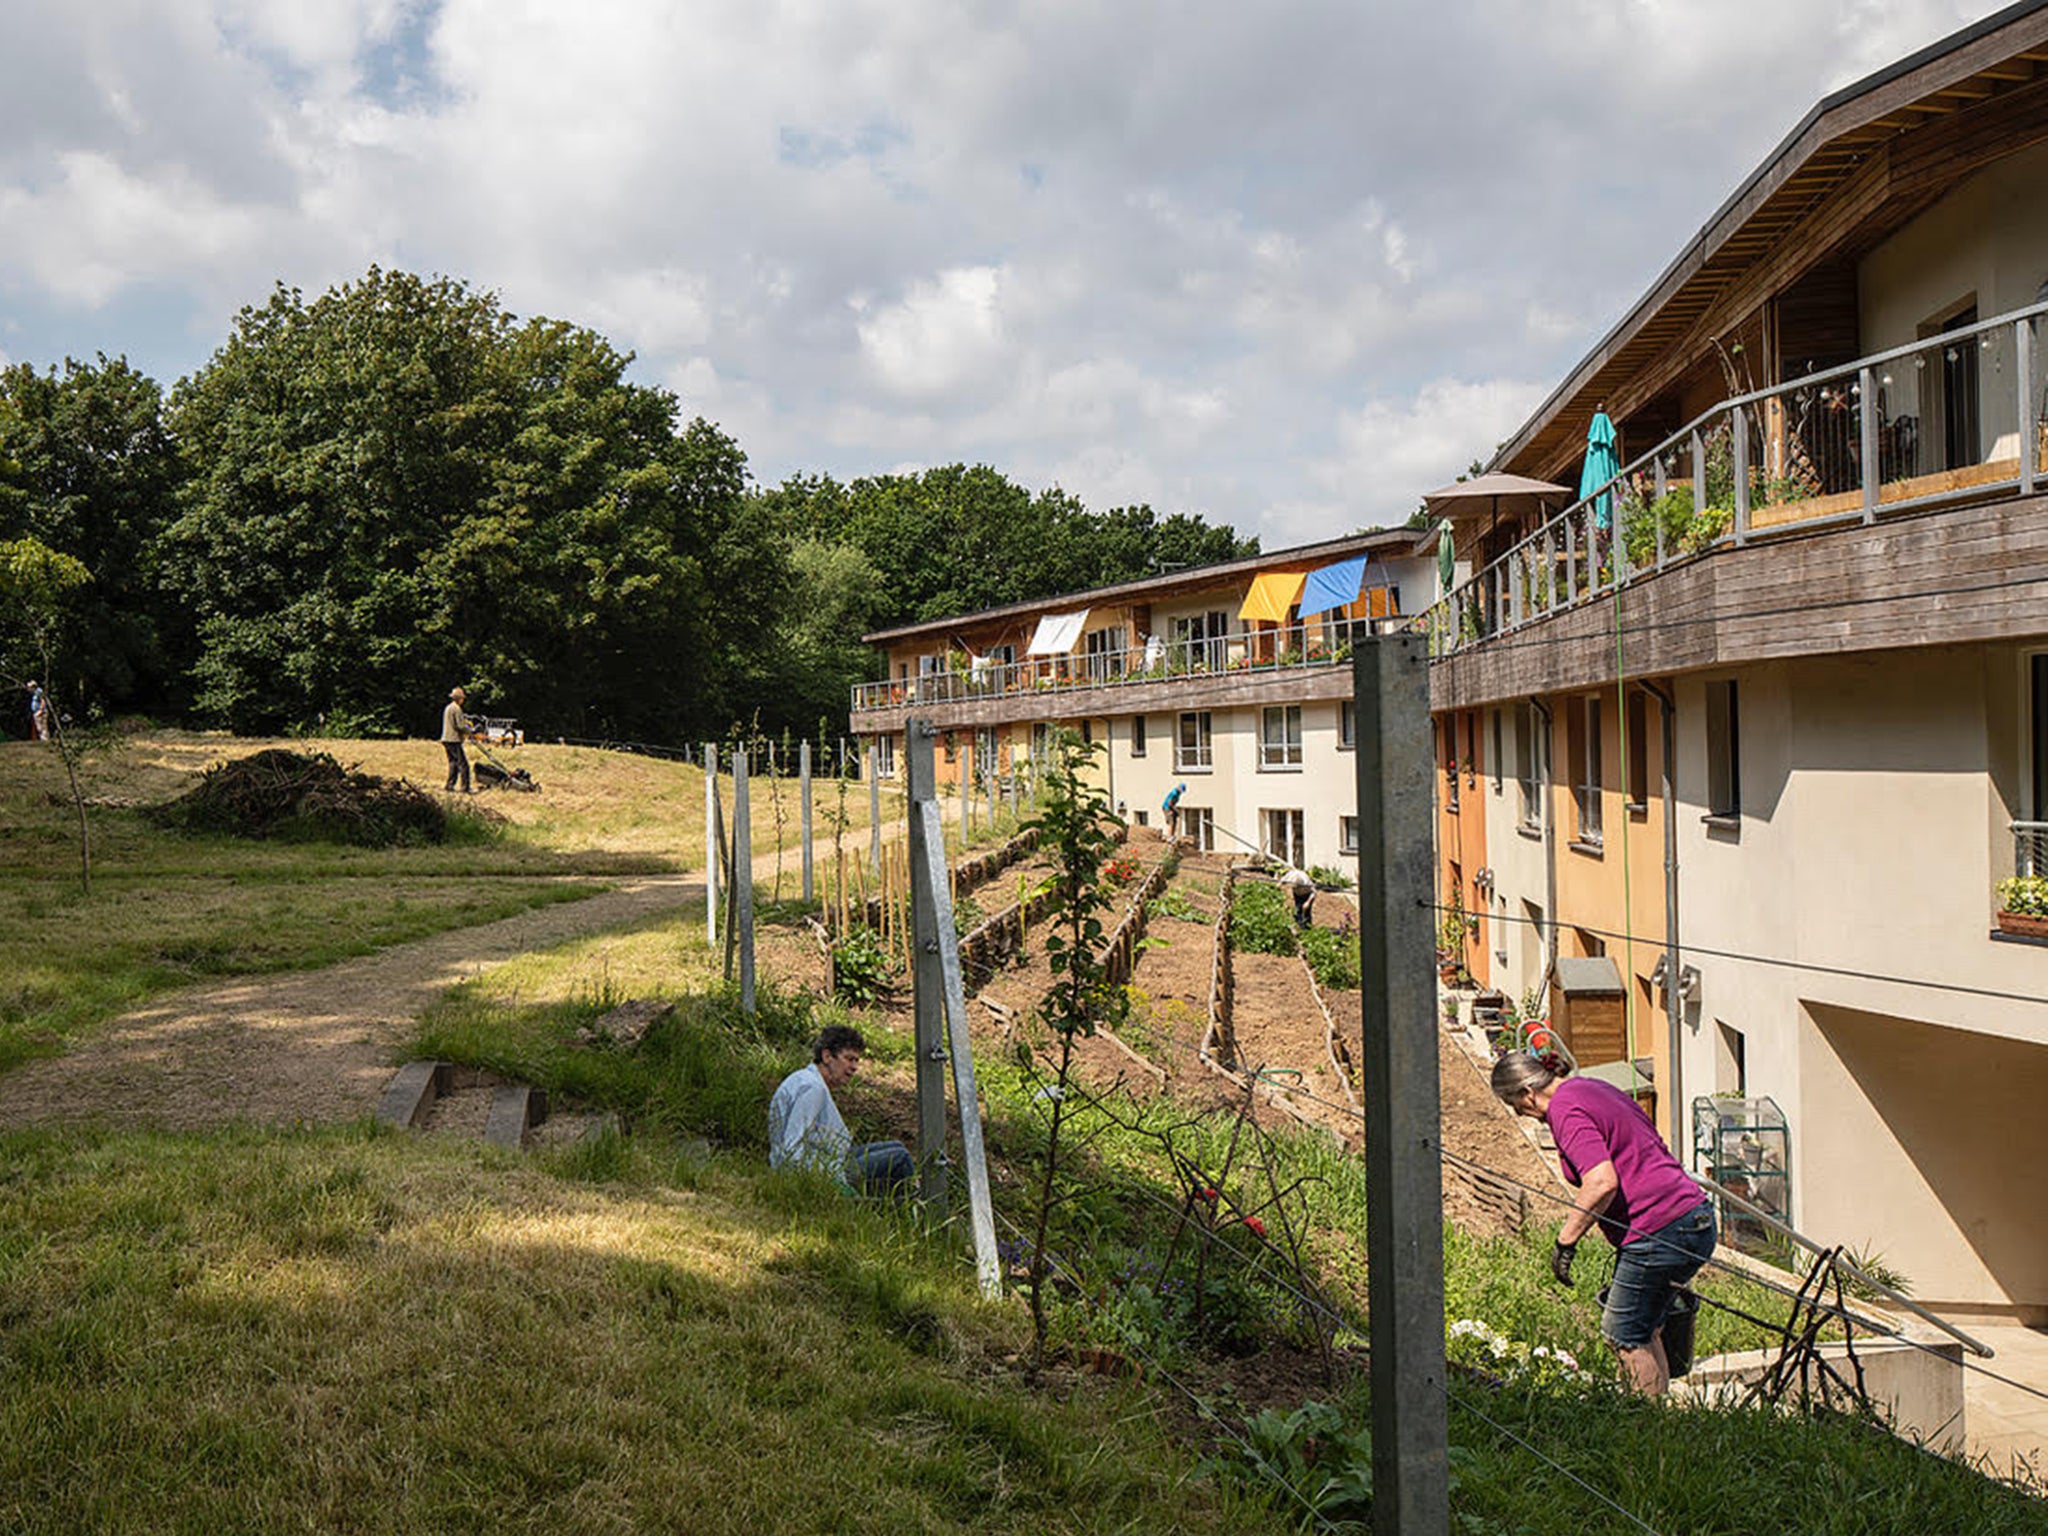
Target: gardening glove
x,y
1561,1262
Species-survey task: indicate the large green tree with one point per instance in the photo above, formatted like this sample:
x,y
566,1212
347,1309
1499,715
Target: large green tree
x,y
397,486
957,539
88,470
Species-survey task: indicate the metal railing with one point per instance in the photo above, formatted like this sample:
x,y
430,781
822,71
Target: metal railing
x,y
1315,643
1957,416
2030,848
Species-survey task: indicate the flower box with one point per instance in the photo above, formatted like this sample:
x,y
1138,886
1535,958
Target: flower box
x,y
2024,925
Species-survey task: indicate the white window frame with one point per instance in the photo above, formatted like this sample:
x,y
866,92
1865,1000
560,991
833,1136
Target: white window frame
x,y
1347,726
1291,843
1284,756
1347,834
1198,826
1200,757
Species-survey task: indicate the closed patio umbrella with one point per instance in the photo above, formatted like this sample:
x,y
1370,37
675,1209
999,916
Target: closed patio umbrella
x,y
1602,465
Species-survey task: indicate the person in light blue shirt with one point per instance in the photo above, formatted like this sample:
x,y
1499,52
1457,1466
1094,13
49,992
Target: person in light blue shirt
x,y
805,1128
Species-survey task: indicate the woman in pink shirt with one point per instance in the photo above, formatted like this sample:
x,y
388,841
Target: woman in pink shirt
x,y
1659,1220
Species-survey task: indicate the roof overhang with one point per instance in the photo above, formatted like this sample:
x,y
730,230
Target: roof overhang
x,y
1387,543
1832,145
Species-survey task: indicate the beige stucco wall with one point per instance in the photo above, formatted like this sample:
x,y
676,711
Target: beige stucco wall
x,y
1873,826
1987,239
1517,861
1236,789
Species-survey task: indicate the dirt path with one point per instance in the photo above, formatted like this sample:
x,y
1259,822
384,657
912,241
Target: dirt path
x,y
305,1046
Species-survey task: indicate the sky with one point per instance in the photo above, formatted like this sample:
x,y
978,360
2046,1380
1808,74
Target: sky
x,y
1286,265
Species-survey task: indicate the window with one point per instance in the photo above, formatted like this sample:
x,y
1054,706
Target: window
x,y
1105,650
2037,737
1198,826
1087,732
1495,721
1449,760
1347,834
985,751
952,747
885,757
1192,749
1199,640
1138,737
1144,818
1724,754
1961,443
1041,743
1583,732
1528,741
1280,736
1731,1060
1281,835
1638,726
1347,724
1472,749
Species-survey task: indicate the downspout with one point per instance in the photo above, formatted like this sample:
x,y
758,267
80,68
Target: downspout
x,y
1674,1002
1549,849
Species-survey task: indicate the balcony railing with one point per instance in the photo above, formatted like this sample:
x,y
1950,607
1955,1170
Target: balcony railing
x,y
1958,416
1314,644
2030,847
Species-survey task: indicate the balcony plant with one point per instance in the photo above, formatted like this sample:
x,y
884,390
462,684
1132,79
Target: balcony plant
x,y
2023,906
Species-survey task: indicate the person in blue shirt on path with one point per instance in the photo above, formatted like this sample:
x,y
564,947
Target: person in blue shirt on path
x,y
1171,806
804,1126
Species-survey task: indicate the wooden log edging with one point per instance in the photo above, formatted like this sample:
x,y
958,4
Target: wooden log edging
x,y
1119,954
1220,1034
1339,1053
966,874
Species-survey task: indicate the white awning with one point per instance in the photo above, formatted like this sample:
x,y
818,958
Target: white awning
x,y
1057,634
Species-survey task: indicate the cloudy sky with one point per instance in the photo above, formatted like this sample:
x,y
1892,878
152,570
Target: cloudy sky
x,y
1285,264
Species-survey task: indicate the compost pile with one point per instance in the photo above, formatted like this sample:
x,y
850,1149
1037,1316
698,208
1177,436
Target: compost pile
x,y
306,797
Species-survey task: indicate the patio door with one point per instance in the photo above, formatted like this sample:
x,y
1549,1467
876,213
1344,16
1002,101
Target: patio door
x,y
1281,836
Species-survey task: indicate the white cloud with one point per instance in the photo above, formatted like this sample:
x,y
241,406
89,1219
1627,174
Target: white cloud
x,y
944,337
1155,251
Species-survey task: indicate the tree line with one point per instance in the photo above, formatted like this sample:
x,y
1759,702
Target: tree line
x,y
368,496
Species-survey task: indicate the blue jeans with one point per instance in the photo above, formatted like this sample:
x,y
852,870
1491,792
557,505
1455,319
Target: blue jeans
x,y
880,1167
1648,1269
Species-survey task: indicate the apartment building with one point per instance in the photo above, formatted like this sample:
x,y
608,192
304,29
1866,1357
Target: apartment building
x,y
1761,723
1232,680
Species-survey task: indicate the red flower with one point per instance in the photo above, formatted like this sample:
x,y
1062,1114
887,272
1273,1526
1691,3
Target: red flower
x,y
1255,1226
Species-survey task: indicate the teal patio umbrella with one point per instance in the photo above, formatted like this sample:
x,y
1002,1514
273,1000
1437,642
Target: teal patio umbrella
x,y
1602,465
1446,556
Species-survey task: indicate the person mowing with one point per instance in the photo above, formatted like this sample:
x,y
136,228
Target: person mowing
x,y
455,728
1659,1220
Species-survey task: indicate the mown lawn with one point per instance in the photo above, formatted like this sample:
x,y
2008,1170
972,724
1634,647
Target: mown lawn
x,y
356,1331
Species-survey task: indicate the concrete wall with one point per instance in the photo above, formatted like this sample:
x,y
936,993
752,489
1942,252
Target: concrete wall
x,y
1519,876
1902,1041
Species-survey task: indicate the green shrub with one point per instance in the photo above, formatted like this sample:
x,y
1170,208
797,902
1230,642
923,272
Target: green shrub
x,y
862,970
2026,895
1175,904
1333,956
1262,919
1330,877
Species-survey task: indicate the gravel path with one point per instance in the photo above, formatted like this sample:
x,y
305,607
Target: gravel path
x,y
300,1047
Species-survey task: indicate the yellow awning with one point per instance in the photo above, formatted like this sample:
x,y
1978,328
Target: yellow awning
x,y
1272,594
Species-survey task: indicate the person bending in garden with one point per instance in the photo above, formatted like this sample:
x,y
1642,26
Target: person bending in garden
x,y
804,1126
1299,884
455,726
1659,1220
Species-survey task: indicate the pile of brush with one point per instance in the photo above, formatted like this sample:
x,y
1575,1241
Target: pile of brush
x,y
306,797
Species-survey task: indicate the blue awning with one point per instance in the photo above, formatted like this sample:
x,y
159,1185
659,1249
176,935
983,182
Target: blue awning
x,y
1337,586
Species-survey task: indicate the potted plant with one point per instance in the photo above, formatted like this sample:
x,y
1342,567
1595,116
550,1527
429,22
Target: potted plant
x,y
2023,906
1450,940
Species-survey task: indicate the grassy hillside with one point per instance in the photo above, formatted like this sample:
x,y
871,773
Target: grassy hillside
x,y
167,909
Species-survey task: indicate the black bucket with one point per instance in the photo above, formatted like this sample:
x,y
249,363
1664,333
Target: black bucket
x,y
1679,1319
